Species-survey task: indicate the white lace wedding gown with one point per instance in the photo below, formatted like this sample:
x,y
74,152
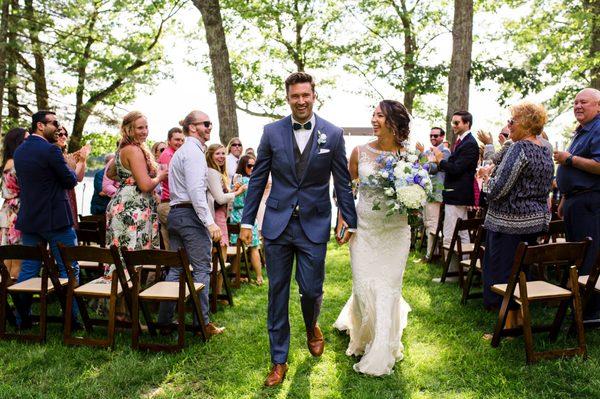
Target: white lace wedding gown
x,y
376,312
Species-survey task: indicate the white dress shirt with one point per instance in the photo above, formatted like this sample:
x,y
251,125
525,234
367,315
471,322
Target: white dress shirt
x,y
231,163
188,178
303,135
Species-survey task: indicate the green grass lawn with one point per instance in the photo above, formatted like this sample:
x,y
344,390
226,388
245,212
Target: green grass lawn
x,y
445,356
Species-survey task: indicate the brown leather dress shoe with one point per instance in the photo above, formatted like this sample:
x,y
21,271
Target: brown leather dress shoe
x,y
315,341
277,375
212,329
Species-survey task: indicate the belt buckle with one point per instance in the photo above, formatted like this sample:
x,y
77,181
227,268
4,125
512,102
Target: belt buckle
x,y
296,211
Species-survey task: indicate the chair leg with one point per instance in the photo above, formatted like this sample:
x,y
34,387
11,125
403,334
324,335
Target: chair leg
x,y
213,287
181,320
527,333
558,319
467,286
67,334
85,317
447,262
226,284
112,317
135,319
43,315
4,310
578,313
502,315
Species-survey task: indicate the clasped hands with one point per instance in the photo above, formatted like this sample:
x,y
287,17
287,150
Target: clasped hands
x,y
561,156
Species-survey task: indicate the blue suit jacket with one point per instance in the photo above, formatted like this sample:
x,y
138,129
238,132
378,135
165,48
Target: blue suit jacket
x,y
43,177
310,192
460,170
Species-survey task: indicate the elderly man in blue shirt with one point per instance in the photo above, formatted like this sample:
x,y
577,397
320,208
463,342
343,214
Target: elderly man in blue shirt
x,y
578,179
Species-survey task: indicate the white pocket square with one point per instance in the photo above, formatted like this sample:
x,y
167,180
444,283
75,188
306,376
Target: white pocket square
x,y
323,150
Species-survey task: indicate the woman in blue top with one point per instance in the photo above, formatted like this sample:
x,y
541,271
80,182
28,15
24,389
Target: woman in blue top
x,y
242,177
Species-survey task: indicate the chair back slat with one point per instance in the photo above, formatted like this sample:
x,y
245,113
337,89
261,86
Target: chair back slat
x,y
233,228
86,253
23,252
468,224
568,253
155,257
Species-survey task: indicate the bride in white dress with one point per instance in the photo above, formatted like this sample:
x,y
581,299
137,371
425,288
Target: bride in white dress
x,y
376,312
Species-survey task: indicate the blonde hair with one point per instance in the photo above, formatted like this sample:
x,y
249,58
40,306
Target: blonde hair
x,y
210,152
128,138
532,117
232,141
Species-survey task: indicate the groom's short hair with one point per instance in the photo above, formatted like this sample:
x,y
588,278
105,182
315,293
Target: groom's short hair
x,y
299,77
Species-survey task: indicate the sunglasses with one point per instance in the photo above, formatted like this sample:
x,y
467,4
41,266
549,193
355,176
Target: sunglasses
x,y
455,123
236,145
53,123
434,136
510,122
250,166
161,149
206,124
62,135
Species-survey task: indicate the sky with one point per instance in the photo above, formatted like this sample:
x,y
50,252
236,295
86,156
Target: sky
x,y
189,89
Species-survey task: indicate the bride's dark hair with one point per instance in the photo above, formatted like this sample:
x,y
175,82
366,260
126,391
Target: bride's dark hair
x,y
397,119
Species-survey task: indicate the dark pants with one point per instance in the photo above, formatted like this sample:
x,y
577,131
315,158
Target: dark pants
x,y
187,231
31,268
310,273
498,260
582,219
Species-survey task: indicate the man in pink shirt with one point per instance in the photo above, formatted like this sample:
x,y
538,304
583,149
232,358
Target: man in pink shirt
x,y
175,139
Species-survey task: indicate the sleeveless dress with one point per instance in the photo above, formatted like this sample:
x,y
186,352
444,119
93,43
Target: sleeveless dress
x,y
376,312
131,218
10,208
237,212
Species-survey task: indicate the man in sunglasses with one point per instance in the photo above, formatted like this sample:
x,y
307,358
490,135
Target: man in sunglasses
x,y
460,170
431,211
44,216
234,152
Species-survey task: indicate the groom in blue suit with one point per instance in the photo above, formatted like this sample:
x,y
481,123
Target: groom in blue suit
x,y
300,152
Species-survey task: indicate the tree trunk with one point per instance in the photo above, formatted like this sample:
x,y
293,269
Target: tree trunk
x,y
460,65
221,68
11,67
3,50
39,76
594,11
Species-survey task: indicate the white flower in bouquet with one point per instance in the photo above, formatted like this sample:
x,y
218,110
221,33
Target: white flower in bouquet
x,y
384,174
412,196
390,192
412,158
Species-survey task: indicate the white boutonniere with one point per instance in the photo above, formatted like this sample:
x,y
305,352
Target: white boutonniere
x,y
321,138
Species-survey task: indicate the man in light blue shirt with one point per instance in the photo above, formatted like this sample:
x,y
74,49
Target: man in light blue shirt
x,y
431,211
190,222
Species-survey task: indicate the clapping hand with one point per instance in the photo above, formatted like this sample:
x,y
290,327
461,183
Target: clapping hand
x,y
437,154
420,147
484,172
485,137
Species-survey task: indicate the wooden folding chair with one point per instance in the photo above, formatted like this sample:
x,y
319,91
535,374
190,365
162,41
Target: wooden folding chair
x,y
235,255
161,291
590,285
474,265
100,288
438,238
91,232
568,255
458,248
35,285
219,266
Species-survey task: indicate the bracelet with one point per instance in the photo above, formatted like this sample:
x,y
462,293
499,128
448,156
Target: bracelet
x,y
569,161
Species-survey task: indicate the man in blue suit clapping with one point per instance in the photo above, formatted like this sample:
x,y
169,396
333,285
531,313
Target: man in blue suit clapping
x,y
44,215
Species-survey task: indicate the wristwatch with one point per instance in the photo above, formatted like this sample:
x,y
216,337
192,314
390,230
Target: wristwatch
x,y
569,160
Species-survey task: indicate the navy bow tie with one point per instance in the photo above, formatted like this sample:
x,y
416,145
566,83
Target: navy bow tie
x,y
298,126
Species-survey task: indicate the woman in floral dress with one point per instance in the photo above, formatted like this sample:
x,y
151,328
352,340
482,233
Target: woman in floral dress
x,y
242,178
131,219
10,192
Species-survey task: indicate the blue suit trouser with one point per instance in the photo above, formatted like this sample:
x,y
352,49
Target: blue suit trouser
x,y
31,268
310,273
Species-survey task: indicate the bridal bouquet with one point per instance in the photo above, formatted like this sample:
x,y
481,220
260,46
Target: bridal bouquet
x,y
401,183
